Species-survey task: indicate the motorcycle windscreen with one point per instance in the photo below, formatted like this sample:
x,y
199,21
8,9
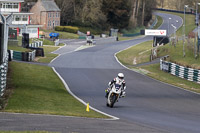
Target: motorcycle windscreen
x,y
117,86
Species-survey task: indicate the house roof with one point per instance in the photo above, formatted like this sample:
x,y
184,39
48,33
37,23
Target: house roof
x,y
11,0
49,5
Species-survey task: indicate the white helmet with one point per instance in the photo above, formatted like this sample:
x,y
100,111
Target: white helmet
x,y
120,75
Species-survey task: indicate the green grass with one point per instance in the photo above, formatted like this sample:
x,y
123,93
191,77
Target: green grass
x,y
176,54
63,35
37,89
126,57
48,55
140,53
160,21
18,48
156,73
48,42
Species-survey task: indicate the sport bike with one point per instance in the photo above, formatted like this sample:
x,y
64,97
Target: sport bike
x,y
114,94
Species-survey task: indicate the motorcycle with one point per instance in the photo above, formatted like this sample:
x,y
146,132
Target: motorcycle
x,y
114,95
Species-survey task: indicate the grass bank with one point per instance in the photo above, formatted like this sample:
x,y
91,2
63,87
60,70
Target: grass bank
x,y
160,21
37,89
136,54
141,54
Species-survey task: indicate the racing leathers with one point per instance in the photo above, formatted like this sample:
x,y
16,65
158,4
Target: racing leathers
x,y
118,81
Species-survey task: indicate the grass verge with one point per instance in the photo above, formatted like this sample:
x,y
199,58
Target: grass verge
x,y
126,57
136,54
176,54
48,55
63,35
160,21
37,89
155,72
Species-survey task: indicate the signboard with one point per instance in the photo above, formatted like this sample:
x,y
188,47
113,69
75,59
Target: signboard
x,y
156,32
165,66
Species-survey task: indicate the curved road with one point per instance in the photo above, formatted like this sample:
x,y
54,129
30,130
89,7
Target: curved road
x,y
150,104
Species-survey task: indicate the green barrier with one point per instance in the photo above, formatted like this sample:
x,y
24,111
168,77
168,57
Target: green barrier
x,y
82,37
131,35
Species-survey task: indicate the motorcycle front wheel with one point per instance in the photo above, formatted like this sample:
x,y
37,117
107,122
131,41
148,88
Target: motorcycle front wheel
x,y
113,99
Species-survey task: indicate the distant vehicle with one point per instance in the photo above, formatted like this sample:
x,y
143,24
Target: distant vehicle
x,y
54,35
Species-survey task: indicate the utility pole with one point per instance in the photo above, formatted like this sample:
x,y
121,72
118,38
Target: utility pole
x,y
185,6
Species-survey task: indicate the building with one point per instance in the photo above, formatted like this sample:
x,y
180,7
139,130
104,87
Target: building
x,y
46,13
21,20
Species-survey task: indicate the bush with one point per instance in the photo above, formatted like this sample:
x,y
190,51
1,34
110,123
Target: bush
x,y
59,28
71,29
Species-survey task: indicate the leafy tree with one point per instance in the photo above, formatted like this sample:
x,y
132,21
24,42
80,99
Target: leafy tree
x,y
117,12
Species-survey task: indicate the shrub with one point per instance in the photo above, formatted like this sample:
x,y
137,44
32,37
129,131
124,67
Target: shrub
x,y
59,28
71,29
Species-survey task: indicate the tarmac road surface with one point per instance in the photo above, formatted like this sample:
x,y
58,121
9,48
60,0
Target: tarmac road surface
x,y
150,102
150,106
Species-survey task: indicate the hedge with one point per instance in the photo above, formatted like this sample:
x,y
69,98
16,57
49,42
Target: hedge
x,y
72,29
69,29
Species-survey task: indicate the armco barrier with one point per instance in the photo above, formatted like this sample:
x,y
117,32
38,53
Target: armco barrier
x,y
131,35
3,76
180,71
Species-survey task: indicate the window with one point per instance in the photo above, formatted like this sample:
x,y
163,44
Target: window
x,y
53,14
17,18
49,23
4,5
49,14
25,18
15,5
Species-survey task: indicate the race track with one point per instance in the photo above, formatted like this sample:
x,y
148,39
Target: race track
x,y
150,102
150,106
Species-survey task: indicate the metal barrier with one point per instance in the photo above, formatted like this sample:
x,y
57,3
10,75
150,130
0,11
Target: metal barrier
x,y
180,71
3,76
57,42
36,44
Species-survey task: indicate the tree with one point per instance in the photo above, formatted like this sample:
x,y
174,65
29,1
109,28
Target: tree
x,y
117,12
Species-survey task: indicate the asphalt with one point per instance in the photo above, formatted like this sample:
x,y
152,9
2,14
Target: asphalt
x,y
150,105
31,122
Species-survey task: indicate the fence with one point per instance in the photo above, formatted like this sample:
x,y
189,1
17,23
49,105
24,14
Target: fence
x,y
3,76
180,71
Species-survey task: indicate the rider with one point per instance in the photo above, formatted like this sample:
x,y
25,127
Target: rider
x,y
120,80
